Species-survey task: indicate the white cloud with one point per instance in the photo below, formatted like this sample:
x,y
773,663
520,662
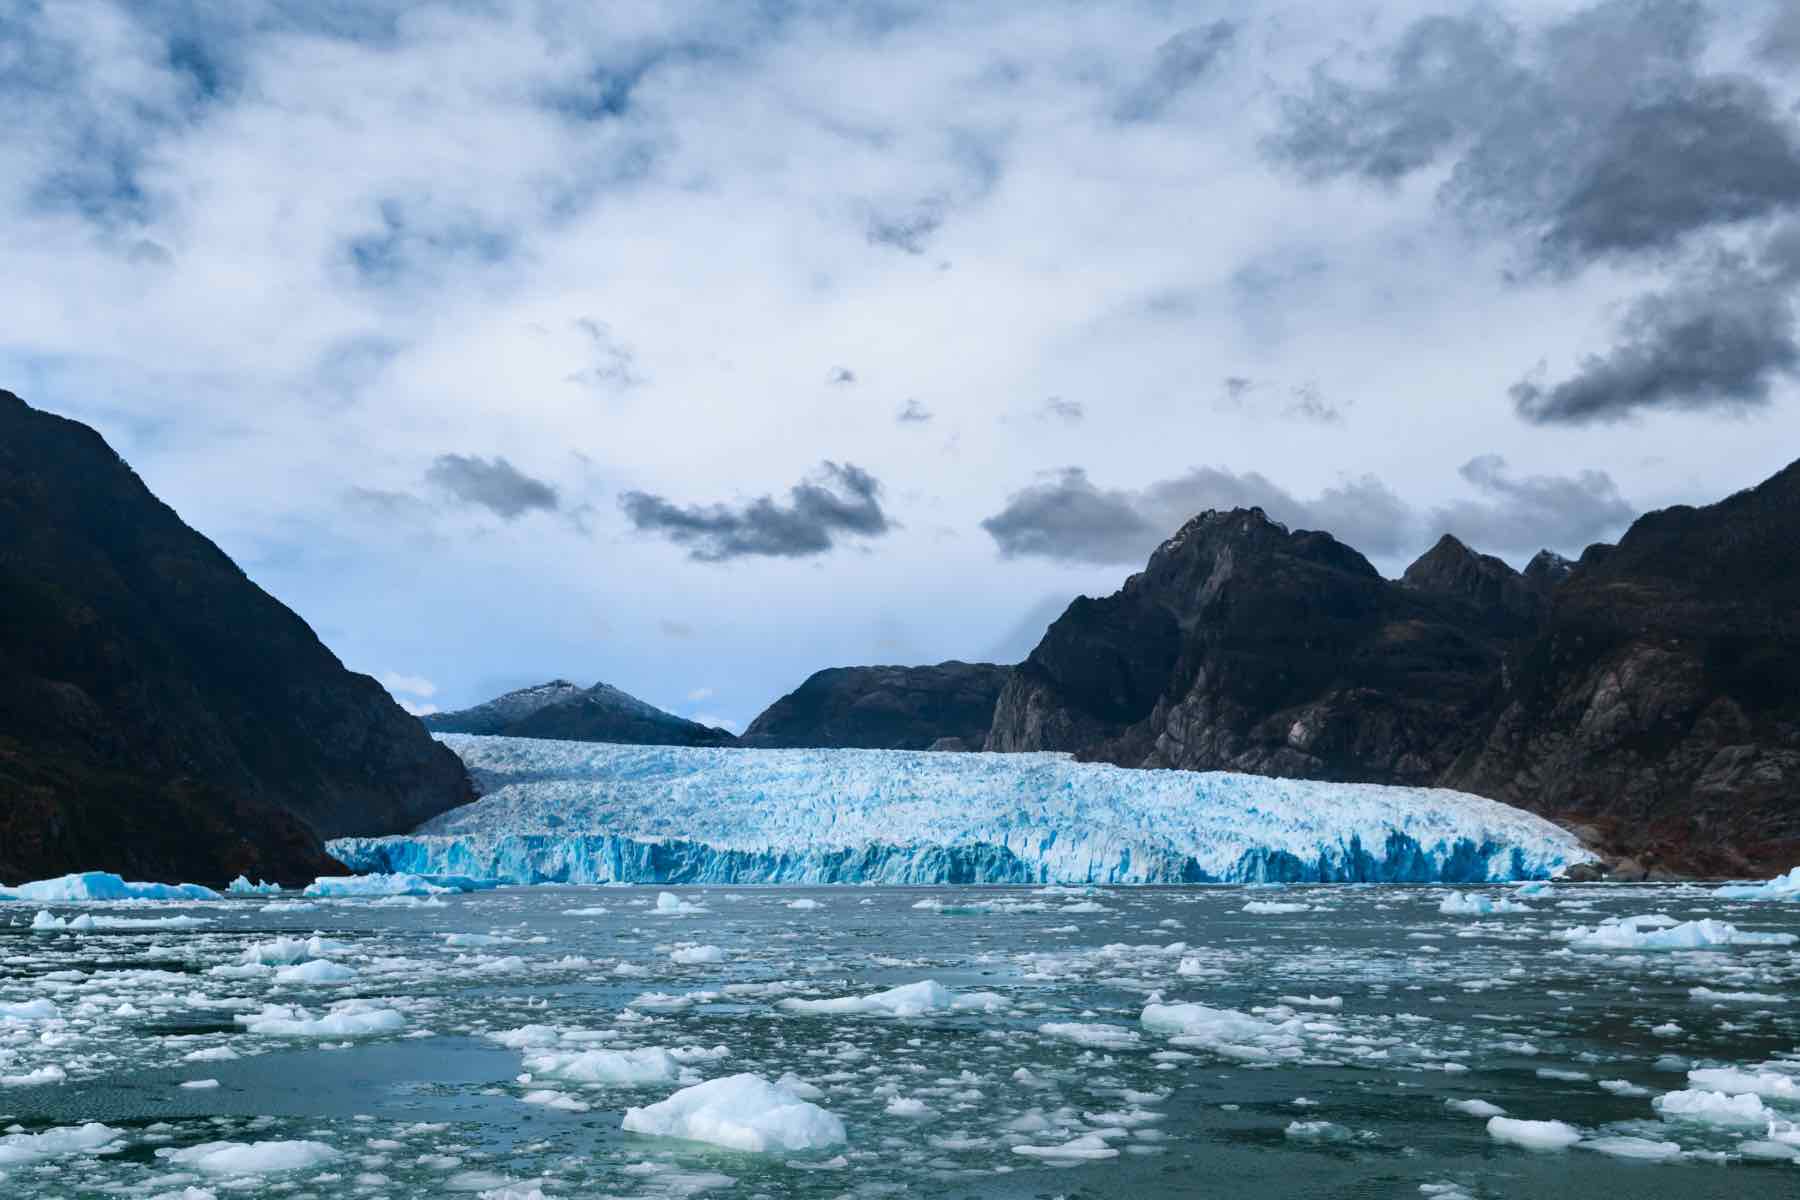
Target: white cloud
x,y
411,685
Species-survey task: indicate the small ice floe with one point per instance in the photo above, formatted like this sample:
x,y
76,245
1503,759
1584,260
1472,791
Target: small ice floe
x,y
20,1011
48,922
1782,887
1479,904
1646,1149
23,1149
351,1018
1311,1001
1713,1108
285,951
1707,995
316,971
739,1112
804,904
689,955
1623,1087
382,886
908,1000
668,904
1656,932
1086,1148
618,1068
1224,1031
1096,1035
250,1158
241,886
1317,1131
1533,1135
1271,908
1775,1081
103,885
1475,1108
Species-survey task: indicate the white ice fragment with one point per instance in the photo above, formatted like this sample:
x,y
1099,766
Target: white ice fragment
x,y
251,1158
1712,1108
103,885
739,1112
1533,1135
908,1000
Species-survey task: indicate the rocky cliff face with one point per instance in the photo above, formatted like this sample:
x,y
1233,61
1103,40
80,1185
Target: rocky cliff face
x,y
1660,703
160,714
1650,692
943,707
562,710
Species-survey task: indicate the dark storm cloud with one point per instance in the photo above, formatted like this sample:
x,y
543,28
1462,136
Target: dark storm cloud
x,y
1716,340
844,500
1521,515
1177,65
491,483
906,229
1067,517
1599,136
1780,42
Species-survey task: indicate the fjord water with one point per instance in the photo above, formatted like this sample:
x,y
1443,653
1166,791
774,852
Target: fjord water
x,y
404,1072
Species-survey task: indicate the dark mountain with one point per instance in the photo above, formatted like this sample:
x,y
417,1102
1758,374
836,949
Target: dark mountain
x,y
562,710
1649,694
1661,701
946,707
1243,646
161,715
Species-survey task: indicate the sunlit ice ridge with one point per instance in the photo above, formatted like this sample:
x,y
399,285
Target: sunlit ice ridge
x,y
584,812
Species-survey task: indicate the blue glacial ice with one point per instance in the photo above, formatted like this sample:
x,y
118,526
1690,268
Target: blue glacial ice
x,y
103,885
1782,887
582,812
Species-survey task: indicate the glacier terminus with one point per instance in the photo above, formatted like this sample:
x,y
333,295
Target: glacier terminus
x,y
582,812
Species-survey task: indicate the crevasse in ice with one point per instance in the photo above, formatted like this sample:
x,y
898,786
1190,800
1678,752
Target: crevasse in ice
x,y
581,812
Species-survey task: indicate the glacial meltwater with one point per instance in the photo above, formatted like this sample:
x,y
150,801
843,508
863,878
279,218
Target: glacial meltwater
x,y
1366,1041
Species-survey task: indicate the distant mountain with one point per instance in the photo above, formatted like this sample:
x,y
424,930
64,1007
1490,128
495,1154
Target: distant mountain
x,y
560,709
1649,693
160,715
948,706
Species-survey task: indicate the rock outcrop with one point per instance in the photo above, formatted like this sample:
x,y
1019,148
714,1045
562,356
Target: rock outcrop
x,y
565,711
943,707
160,715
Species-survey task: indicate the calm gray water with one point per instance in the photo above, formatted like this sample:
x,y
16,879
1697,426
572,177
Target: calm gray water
x,y
1361,1011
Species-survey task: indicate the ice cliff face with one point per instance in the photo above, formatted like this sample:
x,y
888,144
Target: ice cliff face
x,y
574,812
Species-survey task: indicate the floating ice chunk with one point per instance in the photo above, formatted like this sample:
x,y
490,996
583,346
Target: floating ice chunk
x,y
43,1075
19,1149
577,812
364,887
668,904
1088,1147
1773,1085
620,1068
1630,934
1623,1087
690,956
1533,1135
739,1112
1768,1150
1536,887
1311,1001
1706,994
804,904
1713,1108
1270,908
250,1158
351,1018
908,1000
28,1010
241,886
909,1106
1222,1030
1782,887
284,951
1632,1147
201,1085
48,922
1317,1131
316,971
1087,1033
1478,904
1475,1108
103,885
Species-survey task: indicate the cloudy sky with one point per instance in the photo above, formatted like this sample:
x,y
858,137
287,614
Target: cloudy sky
x,y
696,346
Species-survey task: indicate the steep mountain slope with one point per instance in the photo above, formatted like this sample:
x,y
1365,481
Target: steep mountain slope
x,y
1661,703
560,709
160,714
1650,692
948,706
1244,646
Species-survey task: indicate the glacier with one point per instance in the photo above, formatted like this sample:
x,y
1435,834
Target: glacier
x,y
586,812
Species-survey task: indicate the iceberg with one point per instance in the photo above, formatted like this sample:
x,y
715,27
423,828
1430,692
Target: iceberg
x,y
1782,887
584,812
405,883
103,885
1630,934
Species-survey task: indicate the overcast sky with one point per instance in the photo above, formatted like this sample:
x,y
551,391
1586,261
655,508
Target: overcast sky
x,y
695,347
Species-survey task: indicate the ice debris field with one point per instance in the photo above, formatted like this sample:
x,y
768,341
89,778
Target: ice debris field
x,y
396,1036
579,812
